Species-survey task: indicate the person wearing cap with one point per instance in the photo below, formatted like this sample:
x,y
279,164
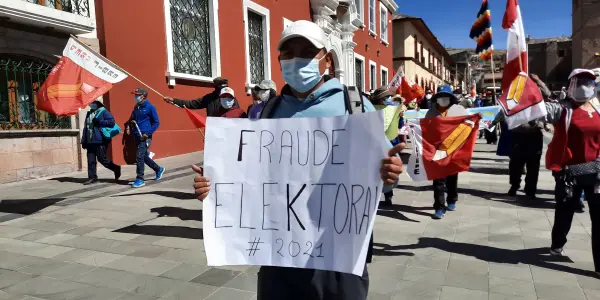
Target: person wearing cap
x,y
95,143
426,102
210,101
261,93
383,99
304,56
142,124
446,105
229,107
573,156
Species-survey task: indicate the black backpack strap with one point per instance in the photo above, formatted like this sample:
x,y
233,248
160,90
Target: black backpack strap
x,y
270,107
347,103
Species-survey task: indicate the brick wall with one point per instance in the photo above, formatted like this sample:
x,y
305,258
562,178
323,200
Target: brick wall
x,y
33,157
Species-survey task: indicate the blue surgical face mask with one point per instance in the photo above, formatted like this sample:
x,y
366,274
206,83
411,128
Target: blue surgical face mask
x,y
138,99
93,106
389,102
227,102
302,74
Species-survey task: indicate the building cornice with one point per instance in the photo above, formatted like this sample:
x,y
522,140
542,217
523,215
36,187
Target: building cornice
x,y
23,12
390,4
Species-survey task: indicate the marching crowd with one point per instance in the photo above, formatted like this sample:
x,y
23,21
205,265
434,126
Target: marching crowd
x,y
573,154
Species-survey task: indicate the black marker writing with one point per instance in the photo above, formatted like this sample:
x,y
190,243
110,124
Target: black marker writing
x,y
333,145
290,208
242,143
315,147
265,205
307,145
335,211
242,209
282,145
265,132
355,200
322,185
217,202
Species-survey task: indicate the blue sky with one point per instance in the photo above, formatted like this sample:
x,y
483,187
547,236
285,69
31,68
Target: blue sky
x,y
451,20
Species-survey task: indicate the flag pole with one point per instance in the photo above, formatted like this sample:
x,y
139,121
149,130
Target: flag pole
x,y
117,67
494,79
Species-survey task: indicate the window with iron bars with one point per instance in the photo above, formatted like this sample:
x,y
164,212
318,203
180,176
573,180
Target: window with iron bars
x,y
78,7
256,43
358,73
190,29
20,79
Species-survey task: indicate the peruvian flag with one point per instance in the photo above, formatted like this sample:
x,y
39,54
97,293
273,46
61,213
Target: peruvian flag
x,y
80,77
441,146
408,89
521,99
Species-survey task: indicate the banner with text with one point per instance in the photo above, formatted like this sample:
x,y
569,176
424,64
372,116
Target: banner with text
x,y
300,192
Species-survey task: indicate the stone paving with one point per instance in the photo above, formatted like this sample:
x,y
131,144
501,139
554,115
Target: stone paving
x,y
60,240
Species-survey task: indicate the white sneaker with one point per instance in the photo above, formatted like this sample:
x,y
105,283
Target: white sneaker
x,y
557,252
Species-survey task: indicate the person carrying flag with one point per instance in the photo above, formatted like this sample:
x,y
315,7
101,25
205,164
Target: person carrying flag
x,y
210,101
143,123
445,105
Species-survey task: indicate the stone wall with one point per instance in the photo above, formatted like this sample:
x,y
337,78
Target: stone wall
x,y
586,33
24,157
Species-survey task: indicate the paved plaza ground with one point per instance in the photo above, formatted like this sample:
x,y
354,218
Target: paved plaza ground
x,y
61,240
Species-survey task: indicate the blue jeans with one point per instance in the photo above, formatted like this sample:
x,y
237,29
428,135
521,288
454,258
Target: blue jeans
x,y
142,157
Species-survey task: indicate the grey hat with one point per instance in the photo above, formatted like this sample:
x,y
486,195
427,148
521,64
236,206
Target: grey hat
x,y
267,84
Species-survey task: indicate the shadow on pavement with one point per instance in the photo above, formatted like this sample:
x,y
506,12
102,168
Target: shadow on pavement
x,y
82,180
489,171
536,256
168,194
178,212
167,231
27,206
395,211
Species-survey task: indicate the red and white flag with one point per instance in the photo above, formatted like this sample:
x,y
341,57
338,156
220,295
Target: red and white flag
x,y
441,146
521,99
79,78
408,89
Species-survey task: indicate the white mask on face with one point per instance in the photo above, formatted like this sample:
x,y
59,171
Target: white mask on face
x,y
584,93
443,101
428,96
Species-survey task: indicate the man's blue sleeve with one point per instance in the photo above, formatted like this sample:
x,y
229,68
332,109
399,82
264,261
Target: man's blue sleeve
x,y
154,122
370,108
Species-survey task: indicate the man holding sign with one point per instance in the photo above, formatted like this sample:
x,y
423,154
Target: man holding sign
x,y
310,246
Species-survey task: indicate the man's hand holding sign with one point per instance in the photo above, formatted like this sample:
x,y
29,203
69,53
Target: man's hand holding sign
x,y
294,192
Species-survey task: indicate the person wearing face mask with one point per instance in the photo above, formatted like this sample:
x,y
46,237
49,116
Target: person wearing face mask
x,y
96,143
446,105
210,101
426,103
304,56
142,124
229,107
573,157
260,95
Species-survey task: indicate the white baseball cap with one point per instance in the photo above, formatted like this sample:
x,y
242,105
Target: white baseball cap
x,y
578,72
305,29
227,91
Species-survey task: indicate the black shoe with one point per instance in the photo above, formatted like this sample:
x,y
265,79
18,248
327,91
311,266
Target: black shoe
x,y
118,173
513,191
91,181
580,208
531,197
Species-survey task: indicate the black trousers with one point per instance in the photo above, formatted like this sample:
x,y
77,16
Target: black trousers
x,y
97,153
279,283
515,169
444,186
563,217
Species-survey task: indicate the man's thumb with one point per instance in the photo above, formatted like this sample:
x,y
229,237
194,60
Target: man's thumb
x,y
396,149
198,170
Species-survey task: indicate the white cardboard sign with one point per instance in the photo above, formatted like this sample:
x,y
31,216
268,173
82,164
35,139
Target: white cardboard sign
x,y
300,192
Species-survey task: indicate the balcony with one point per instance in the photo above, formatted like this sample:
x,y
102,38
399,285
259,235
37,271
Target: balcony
x,y
67,16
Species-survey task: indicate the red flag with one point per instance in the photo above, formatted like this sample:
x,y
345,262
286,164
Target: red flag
x,y
79,78
521,99
410,91
198,120
442,146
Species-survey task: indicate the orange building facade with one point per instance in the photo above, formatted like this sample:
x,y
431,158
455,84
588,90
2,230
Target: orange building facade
x,y
178,47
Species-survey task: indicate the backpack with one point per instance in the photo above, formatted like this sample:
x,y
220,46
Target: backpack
x,y
353,101
109,132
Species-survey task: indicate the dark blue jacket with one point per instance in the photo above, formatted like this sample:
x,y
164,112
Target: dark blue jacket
x,y
105,119
146,117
